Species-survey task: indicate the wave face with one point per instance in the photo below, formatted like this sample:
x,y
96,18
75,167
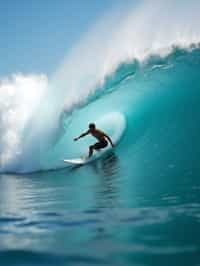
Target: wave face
x,y
144,71
160,100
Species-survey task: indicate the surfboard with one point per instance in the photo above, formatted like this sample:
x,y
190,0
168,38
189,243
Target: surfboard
x,y
76,161
85,159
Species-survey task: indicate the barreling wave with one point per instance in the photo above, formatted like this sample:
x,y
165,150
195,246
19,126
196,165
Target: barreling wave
x,y
140,65
154,85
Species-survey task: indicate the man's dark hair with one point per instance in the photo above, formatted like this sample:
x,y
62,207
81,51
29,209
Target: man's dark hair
x,y
92,126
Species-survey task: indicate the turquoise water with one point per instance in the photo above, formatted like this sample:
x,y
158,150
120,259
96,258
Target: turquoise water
x,y
137,205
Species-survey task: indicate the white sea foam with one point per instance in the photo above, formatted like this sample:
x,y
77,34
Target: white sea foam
x,y
137,32
19,98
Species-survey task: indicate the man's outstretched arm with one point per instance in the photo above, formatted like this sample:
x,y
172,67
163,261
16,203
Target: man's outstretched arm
x,y
82,135
109,139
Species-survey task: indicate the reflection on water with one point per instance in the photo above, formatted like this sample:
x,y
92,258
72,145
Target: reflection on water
x,y
107,189
86,216
108,165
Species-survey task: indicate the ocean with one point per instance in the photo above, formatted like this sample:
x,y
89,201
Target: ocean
x,y
138,204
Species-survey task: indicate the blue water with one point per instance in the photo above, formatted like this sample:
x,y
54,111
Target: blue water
x,y
137,205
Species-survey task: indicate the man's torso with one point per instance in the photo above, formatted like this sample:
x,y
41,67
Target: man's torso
x,y
98,134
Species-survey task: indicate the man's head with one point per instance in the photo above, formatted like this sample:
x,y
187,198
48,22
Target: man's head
x,y
92,126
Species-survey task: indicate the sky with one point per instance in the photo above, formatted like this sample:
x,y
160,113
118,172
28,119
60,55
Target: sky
x,y
35,35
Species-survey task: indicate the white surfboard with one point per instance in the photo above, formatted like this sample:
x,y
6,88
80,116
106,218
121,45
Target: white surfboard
x,y
76,161
86,159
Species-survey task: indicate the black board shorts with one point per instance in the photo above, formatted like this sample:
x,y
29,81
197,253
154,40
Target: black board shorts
x,y
100,145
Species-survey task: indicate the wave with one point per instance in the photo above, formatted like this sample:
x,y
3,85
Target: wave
x,y
107,71
133,89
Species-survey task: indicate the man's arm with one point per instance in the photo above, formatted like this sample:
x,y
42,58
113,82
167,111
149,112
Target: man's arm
x,y
109,139
82,135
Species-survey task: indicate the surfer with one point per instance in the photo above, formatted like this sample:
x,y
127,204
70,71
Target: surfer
x,y
99,135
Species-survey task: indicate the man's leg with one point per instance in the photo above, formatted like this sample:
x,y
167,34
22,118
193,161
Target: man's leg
x,y
97,146
91,148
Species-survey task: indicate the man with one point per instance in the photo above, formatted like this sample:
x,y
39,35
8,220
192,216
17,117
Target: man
x,y
99,135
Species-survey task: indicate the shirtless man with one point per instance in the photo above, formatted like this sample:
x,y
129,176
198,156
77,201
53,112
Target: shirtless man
x,y
99,135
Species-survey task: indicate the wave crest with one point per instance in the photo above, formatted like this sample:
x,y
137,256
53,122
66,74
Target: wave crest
x,y
19,98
